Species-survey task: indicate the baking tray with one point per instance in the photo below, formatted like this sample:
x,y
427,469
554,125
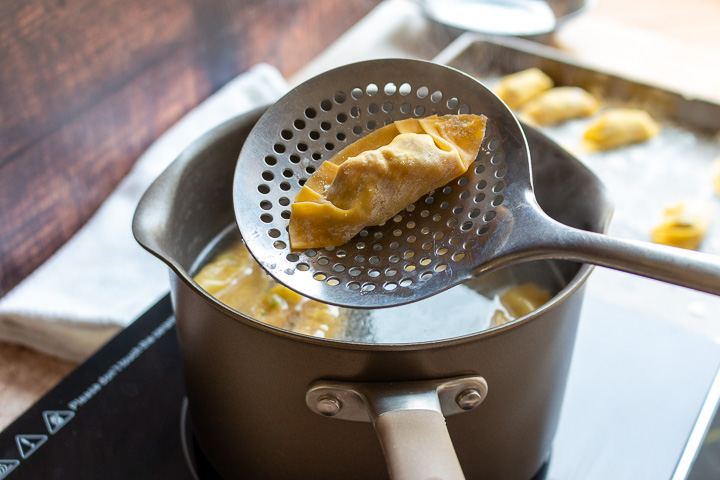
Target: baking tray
x,y
643,178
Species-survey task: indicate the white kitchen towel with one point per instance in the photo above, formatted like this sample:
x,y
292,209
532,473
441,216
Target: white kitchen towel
x,y
101,279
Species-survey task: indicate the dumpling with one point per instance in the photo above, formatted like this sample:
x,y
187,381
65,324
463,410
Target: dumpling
x,y
518,301
374,178
683,225
620,126
558,105
715,175
517,88
235,279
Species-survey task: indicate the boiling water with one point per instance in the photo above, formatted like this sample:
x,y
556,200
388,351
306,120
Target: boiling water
x,y
463,310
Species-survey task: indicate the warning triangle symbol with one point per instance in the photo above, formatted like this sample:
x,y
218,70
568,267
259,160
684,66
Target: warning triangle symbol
x,y
27,444
56,419
7,466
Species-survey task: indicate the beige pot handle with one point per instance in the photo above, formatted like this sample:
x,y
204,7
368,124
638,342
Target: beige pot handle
x,y
417,445
409,418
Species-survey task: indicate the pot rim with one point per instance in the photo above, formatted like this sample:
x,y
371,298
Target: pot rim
x,y
207,141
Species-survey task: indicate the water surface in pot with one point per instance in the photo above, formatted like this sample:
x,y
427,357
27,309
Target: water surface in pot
x,y
463,310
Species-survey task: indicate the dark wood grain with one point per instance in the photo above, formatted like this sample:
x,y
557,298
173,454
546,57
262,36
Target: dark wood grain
x,y
87,85
24,377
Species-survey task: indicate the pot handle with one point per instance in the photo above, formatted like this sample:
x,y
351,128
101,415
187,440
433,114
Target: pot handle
x,y
409,419
416,444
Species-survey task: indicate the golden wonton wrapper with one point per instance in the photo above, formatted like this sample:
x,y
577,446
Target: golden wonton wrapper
x,y
518,88
374,178
618,127
518,301
558,105
234,278
683,225
715,175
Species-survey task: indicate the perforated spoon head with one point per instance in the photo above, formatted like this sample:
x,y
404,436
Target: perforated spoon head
x,y
433,244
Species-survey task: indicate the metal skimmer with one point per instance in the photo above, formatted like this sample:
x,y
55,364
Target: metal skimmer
x,y
481,221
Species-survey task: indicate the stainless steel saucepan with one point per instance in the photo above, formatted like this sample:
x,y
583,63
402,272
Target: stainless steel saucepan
x,y
445,396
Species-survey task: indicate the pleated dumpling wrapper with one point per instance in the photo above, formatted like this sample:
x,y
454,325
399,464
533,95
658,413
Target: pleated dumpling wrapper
x,y
715,174
518,88
684,224
617,127
374,178
558,105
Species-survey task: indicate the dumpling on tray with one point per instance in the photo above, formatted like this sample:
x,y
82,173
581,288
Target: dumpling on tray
x,y
372,179
617,127
518,88
684,224
558,105
715,175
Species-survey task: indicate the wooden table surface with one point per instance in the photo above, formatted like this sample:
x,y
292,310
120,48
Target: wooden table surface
x,y
86,86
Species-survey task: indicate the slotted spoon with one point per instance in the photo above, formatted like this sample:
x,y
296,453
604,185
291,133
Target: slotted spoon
x,y
486,219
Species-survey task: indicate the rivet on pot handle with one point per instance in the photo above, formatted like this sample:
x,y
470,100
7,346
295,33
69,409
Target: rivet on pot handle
x,y
408,418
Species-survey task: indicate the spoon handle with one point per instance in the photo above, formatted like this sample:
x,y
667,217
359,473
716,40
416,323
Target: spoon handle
x,y
687,268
